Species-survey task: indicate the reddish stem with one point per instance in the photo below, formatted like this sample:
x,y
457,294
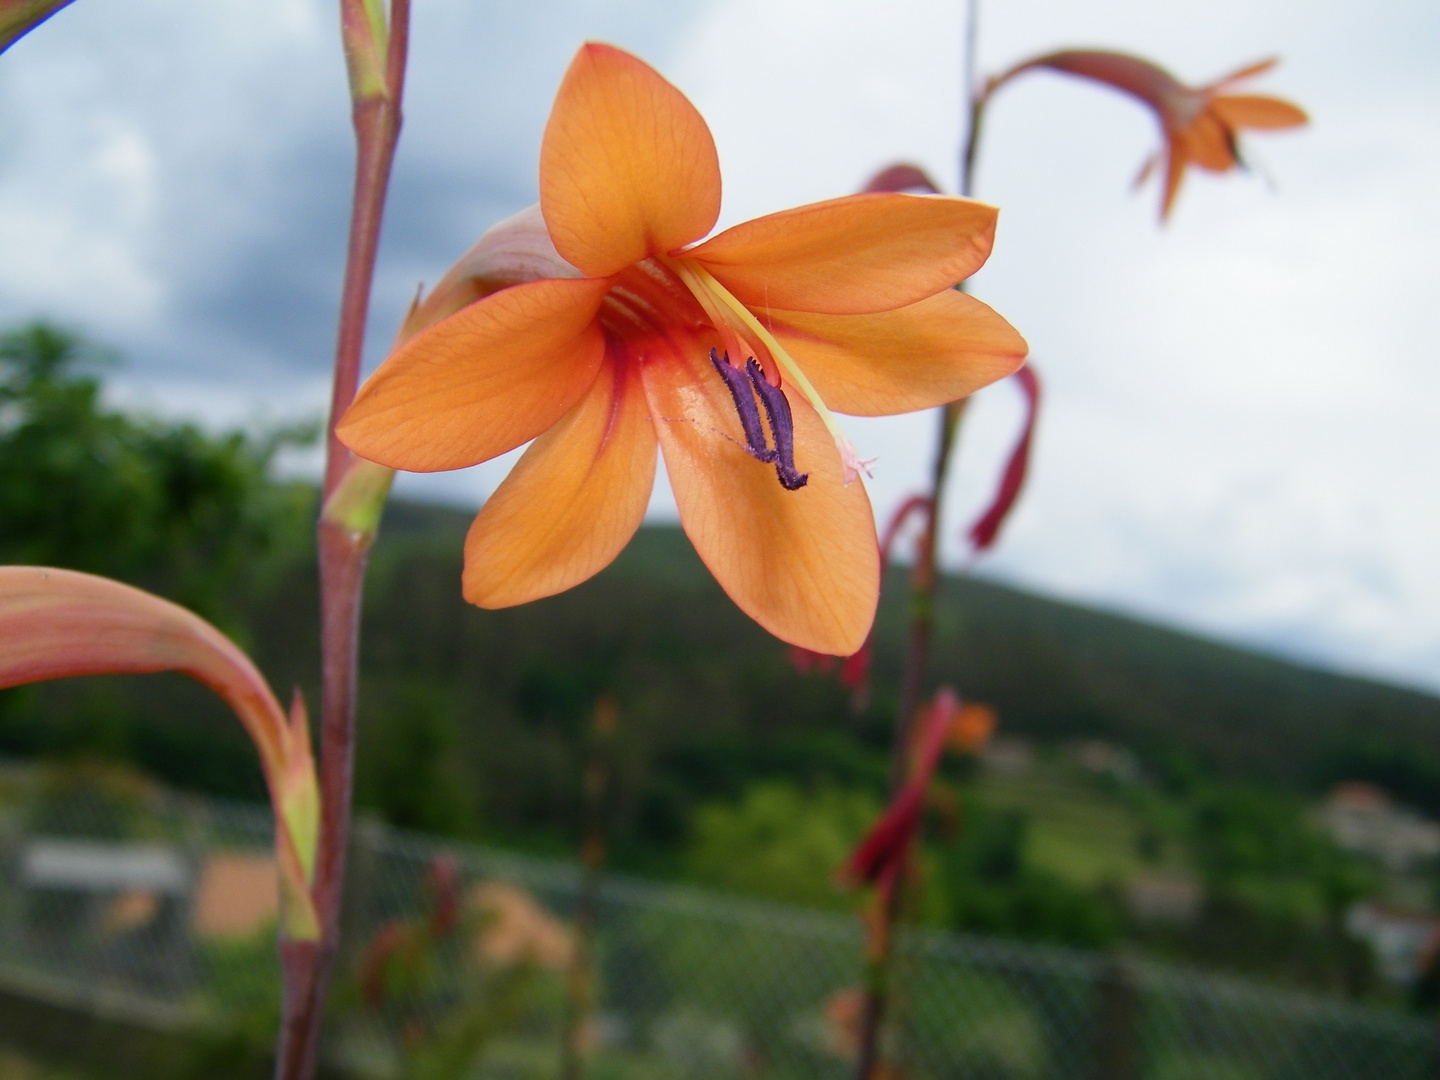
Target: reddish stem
x,y
924,581
922,620
580,981
306,966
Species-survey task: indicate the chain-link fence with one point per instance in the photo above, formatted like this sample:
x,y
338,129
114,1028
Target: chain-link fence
x,y
461,962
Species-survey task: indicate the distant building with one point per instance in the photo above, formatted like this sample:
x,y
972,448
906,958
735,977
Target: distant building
x,y
1008,755
1108,759
98,867
238,895
121,905
1362,818
1164,897
1403,940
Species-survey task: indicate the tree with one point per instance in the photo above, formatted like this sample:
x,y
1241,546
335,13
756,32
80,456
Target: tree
x,y
193,516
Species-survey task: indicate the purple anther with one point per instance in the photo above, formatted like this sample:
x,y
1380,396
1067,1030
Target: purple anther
x,y
744,399
782,427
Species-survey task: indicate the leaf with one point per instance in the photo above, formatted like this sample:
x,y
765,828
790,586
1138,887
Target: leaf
x,y
60,623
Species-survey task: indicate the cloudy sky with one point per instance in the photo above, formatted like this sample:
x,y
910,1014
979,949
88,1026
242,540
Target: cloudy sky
x,y
1240,432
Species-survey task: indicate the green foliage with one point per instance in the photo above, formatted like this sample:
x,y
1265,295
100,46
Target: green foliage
x,y
1187,706
1244,829
16,1066
991,885
192,516
420,781
167,506
781,843
92,799
440,1000
729,767
1000,1031
238,1041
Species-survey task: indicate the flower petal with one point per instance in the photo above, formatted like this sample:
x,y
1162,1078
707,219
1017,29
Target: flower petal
x,y
1249,71
572,501
1257,111
627,165
1175,162
886,845
803,564
986,528
941,349
1140,78
1208,143
512,251
852,256
483,381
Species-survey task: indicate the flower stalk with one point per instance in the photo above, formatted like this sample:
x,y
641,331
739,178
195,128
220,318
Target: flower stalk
x,y
353,495
923,583
580,979
1200,127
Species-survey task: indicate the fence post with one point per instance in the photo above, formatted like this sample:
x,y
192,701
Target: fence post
x,y
12,839
1117,1021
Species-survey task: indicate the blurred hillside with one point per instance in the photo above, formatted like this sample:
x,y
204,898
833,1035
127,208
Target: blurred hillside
x,y
656,624
712,701
730,767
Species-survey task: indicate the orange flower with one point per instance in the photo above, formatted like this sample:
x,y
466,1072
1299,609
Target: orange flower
x,y
609,332
1201,124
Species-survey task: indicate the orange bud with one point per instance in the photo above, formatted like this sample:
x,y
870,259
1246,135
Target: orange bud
x,y
972,727
902,178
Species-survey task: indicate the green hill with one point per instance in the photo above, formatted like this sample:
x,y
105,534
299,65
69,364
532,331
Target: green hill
x,y
734,770
474,720
1054,670
729,767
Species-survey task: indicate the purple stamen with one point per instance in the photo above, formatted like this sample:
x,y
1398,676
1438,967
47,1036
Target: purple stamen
x,y
782,427
777,411
744,400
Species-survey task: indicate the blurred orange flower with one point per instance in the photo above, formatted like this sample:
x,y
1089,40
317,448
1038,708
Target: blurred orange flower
x,y
972,727
605,331
1201,124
